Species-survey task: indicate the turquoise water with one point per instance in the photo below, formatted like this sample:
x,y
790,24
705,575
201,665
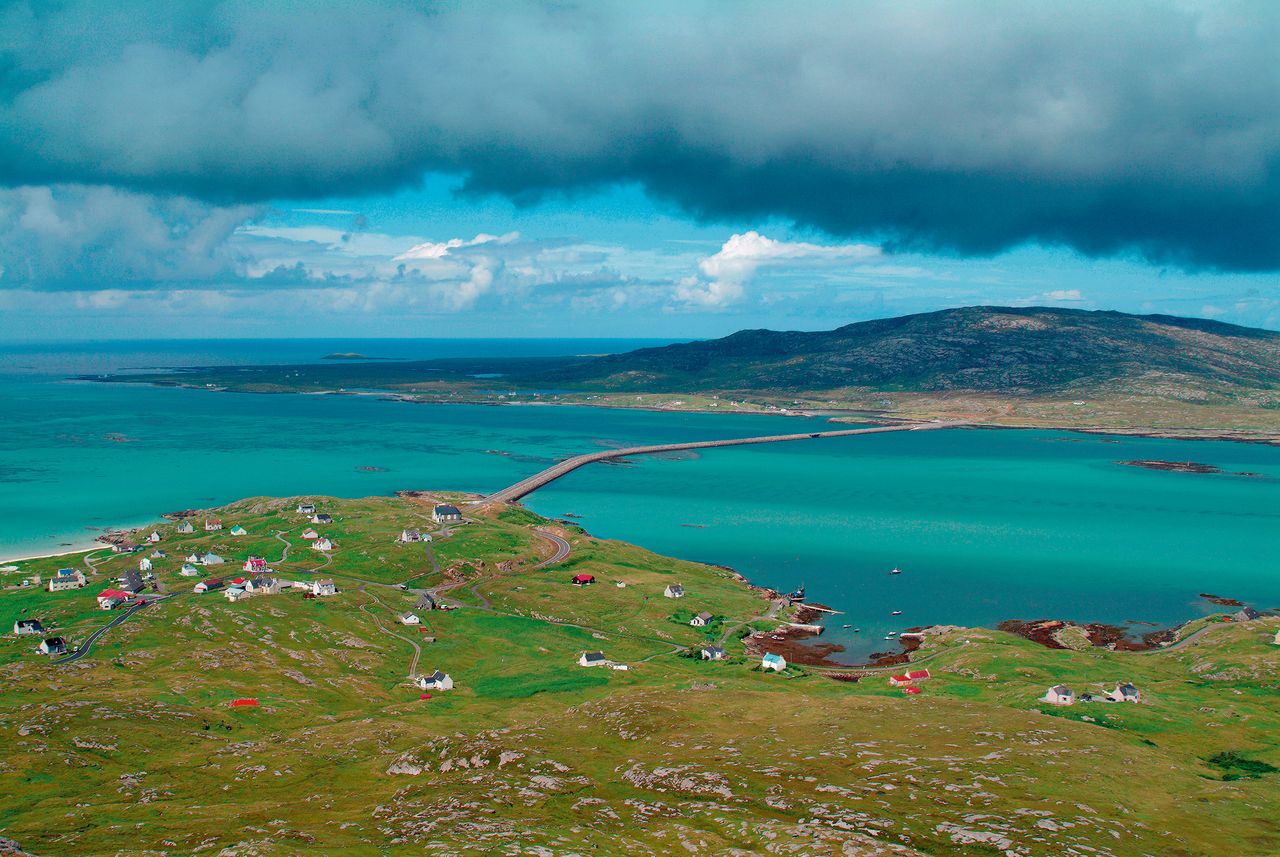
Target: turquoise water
x,y
986,525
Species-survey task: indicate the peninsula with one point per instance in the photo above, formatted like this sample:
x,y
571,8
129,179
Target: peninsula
x,y
1002,366
357,675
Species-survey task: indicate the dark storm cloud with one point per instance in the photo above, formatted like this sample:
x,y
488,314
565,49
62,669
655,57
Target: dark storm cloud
x,y
1108,127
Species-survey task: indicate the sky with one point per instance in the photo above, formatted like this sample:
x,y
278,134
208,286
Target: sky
x,y
564,169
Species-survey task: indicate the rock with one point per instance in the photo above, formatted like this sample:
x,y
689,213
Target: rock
x,y
404,767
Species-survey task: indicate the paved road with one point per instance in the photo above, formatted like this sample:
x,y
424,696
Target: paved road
x,y
561,546
93,638
536,481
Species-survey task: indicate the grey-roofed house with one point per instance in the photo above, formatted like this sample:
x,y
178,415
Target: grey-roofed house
x,y
1245,614
438,680
592,659
28,626
701,620
675,590
425,602
131,581
712,653
446,513
53,646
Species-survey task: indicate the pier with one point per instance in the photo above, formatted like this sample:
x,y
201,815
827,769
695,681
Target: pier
x,y
551,474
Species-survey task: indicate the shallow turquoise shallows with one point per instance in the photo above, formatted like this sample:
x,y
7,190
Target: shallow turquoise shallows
x,y
985,525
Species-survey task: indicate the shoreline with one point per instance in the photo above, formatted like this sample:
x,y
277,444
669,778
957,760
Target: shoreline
x,y
805,648
833,415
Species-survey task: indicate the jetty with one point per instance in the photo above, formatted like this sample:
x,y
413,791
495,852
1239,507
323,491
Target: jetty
x,y
533,483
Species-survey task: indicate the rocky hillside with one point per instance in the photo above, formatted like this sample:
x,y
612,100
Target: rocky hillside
x,y
1030,350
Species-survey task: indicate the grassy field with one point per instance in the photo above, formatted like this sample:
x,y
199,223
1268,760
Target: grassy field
x,y
135,748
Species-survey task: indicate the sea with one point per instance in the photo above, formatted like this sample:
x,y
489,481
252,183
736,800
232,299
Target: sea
x,y
984,525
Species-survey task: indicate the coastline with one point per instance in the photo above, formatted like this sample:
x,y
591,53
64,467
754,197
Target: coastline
x,y
836,415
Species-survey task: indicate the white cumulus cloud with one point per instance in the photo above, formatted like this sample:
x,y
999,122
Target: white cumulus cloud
x,y
723,277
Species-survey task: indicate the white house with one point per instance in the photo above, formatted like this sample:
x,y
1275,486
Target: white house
x,y
306,508
675,590
144,564
185,527
1125,693
189,570
712,653
407,536
28,626
238,530
154,537
66,578
235,594
701,620
592,659
438,680
212,559
445,513
193,558
322,518
777,663
206,585
212,526
1059,694
53,646
324,587
410,619
310,534
1277,639
322,544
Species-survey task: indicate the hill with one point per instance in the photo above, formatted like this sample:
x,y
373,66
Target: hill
x,y
1032,350
136,747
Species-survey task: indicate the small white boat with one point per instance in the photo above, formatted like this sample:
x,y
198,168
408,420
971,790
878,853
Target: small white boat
x,y
896,571
896,613
891,635
846,626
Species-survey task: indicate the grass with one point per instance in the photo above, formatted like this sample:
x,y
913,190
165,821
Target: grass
x,y
135,749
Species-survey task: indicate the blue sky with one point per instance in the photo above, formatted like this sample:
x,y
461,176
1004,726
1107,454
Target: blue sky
x,y
539,169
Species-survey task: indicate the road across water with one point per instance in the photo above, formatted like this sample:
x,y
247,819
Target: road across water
x,y
551,474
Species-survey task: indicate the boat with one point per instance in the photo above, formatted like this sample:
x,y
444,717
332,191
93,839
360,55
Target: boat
x,y
896,613
896,571
846,626
891,635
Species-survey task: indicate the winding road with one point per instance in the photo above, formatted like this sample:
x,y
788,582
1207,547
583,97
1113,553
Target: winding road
x,y
84,647
561,546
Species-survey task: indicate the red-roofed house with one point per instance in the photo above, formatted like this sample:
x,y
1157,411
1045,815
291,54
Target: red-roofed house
x,y
908,678
911,690
584,579
255,563
109,599
918,675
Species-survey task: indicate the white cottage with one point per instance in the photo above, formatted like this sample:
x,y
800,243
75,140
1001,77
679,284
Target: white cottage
x,y
1059,694
438,680
675,590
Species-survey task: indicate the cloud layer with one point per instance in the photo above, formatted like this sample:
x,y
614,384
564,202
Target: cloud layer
x,y
1146,127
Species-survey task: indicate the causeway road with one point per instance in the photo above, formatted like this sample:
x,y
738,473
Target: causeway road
x,y
551,474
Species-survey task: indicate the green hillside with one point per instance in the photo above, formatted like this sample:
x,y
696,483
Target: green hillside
x,y
135,748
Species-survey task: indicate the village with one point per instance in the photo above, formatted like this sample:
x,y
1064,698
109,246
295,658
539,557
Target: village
x,y
256,577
